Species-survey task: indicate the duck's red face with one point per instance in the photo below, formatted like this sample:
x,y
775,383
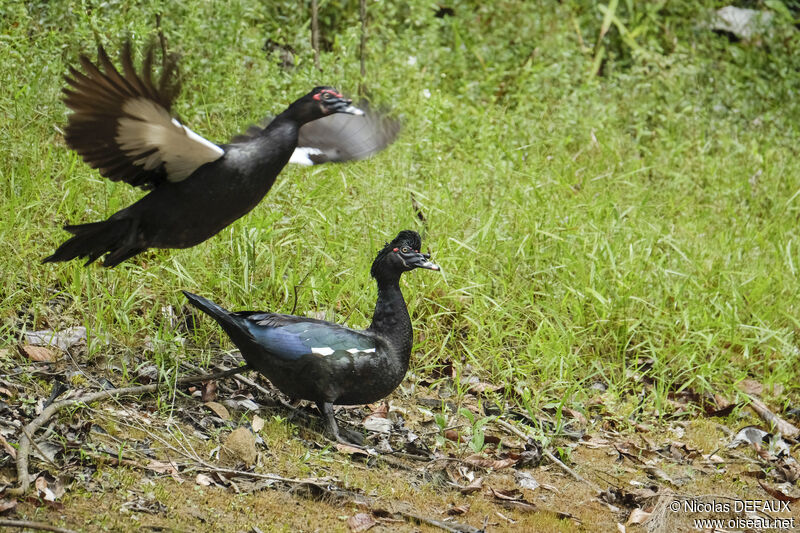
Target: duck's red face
x,y
332,101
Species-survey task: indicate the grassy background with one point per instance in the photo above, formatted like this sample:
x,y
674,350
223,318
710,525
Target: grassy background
x,y
595,201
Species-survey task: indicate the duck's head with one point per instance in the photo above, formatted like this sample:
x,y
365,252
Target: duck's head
x,y
401,255
324,101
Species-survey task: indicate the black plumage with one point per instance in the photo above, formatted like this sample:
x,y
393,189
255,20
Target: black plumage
x,y
122,125
328,363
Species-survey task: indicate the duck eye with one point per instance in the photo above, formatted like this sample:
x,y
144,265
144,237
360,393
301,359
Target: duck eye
x,y
326,96
405,249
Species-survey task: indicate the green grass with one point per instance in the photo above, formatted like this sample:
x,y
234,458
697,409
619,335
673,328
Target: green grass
x,y
585,224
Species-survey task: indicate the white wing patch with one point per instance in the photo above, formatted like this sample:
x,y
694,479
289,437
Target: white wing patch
x,y
325,350
301,155
356,350
149,128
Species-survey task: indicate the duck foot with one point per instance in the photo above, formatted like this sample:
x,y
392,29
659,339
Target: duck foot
x,y
344,435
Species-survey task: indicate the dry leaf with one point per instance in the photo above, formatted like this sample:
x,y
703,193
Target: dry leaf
x,y
458,510
778,495
7,505
779,424
750,386
209,391
474,486
453,435
258,423
495,464
204,480
164,468
360,522
43,490
637,516
218,409
526,481
352,450
38,353
577,415
620,528
501,494
62,339
9,449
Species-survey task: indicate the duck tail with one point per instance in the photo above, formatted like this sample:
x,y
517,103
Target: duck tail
x,y
224,318
95,239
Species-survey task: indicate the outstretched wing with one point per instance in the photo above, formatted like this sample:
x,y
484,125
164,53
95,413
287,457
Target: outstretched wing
x,y
341,137
338,137
122,126
291,337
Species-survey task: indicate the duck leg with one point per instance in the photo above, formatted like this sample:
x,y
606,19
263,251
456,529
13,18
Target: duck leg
x,y
353,438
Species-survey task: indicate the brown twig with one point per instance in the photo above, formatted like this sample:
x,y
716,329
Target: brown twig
x,y
451,527
779,424
555,460
315,32
40,526
25,441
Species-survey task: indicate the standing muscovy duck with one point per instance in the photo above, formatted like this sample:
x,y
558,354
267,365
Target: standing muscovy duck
x,y
122,126
324,362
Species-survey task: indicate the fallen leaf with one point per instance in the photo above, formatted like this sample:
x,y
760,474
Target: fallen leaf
x,y
577,415
778,495
352,450
453,435
637,516
501,494
512,499
161,467
659,474
360,522
7,505
750,386
620,528
38,353
378,424
218,409
495,464
43,490
458,510
526,480
9,449
63,339
258,423
209,391
204,480
474,486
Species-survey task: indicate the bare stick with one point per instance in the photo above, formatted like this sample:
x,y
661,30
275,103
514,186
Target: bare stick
x,y
315,32
28,431
555,460
450,527
40,526
782,426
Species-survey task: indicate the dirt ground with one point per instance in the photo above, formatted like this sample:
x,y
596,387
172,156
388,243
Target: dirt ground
x,y
234,455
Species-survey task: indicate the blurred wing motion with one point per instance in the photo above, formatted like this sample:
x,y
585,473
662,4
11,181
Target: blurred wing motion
x,y
338,138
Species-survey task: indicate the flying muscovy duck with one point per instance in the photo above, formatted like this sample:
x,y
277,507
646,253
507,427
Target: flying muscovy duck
x,y
122,125
325,362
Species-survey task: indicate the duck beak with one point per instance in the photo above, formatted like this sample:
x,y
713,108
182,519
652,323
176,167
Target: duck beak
x,y
423,261
352,110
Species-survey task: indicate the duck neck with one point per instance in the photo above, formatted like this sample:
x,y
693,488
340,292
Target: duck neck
x,y
298,114
390,319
